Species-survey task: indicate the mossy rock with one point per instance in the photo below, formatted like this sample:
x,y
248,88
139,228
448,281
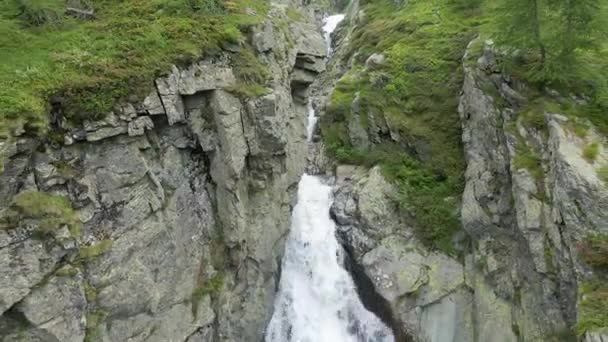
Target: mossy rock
x,y
51,212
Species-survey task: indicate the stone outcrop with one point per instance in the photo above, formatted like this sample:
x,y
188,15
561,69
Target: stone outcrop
x,y
425,290
182,202
527,219
521,276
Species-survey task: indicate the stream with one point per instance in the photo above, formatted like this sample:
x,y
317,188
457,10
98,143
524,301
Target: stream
x,y
317,299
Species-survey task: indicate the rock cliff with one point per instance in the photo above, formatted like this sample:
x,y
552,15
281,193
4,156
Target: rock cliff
x,y
165,220
531,199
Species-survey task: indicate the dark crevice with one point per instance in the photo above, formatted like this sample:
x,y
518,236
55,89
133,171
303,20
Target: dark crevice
x,y
371,299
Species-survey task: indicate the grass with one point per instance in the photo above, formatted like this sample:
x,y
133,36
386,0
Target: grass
x,y
93,64
209,286
94,319
603,173
593,295
95,250
51,211
90,292
67,271
591,151
534,114
424,42
594,251
592,307
526,159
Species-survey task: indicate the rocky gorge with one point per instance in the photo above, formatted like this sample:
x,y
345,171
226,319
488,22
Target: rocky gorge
x,y
166,219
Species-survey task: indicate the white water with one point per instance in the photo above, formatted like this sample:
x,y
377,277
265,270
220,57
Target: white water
x,y
329,25
312,121
317,299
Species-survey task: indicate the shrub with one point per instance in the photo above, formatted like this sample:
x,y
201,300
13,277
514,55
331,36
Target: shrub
x,y
591,151
592,307
526,159
593,295
594,251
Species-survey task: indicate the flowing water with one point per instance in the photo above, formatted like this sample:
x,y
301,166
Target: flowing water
x,y
317,299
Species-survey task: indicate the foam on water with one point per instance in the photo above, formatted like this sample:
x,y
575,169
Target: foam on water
x,y
317,300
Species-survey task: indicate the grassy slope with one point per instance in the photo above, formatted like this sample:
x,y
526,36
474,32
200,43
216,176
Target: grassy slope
x,y
424,42
94,63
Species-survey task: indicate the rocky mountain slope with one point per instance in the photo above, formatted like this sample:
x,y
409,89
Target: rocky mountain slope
x,y
532,199
165,220
468,212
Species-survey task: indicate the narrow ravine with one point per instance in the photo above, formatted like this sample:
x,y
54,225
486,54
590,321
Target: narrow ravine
x,y
317,299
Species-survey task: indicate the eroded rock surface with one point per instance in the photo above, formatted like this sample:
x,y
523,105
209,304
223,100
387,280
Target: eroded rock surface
x,y
182,203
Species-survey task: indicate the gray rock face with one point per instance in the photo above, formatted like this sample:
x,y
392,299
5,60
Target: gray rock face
x,y
426,291
520,278
527,221
184,201
59,308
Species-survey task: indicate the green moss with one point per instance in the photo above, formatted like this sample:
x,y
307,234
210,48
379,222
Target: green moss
x,y
603,173
51,211
526,159
534,115
248,68
211,286
90,292
418,94
591,151
592,307
593,294
294,14
94,320
67,271
97,62
580,128
95,250
594,251
247,91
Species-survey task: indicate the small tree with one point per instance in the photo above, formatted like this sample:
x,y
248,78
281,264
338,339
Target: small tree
x,y
518,25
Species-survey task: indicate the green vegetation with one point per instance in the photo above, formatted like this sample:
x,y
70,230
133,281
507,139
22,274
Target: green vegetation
x,y
94,319
560,44
95,250
592,307
549,35
417,92
210,286
67,271
90,292
593,301
533,115
603,173
93,63
51,211
251,73
527,159
591,151
594,251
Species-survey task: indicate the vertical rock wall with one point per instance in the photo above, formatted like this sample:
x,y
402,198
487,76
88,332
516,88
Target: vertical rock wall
x,y
520,274
180,205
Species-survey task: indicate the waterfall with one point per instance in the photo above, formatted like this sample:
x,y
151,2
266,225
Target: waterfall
x,y
317,299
